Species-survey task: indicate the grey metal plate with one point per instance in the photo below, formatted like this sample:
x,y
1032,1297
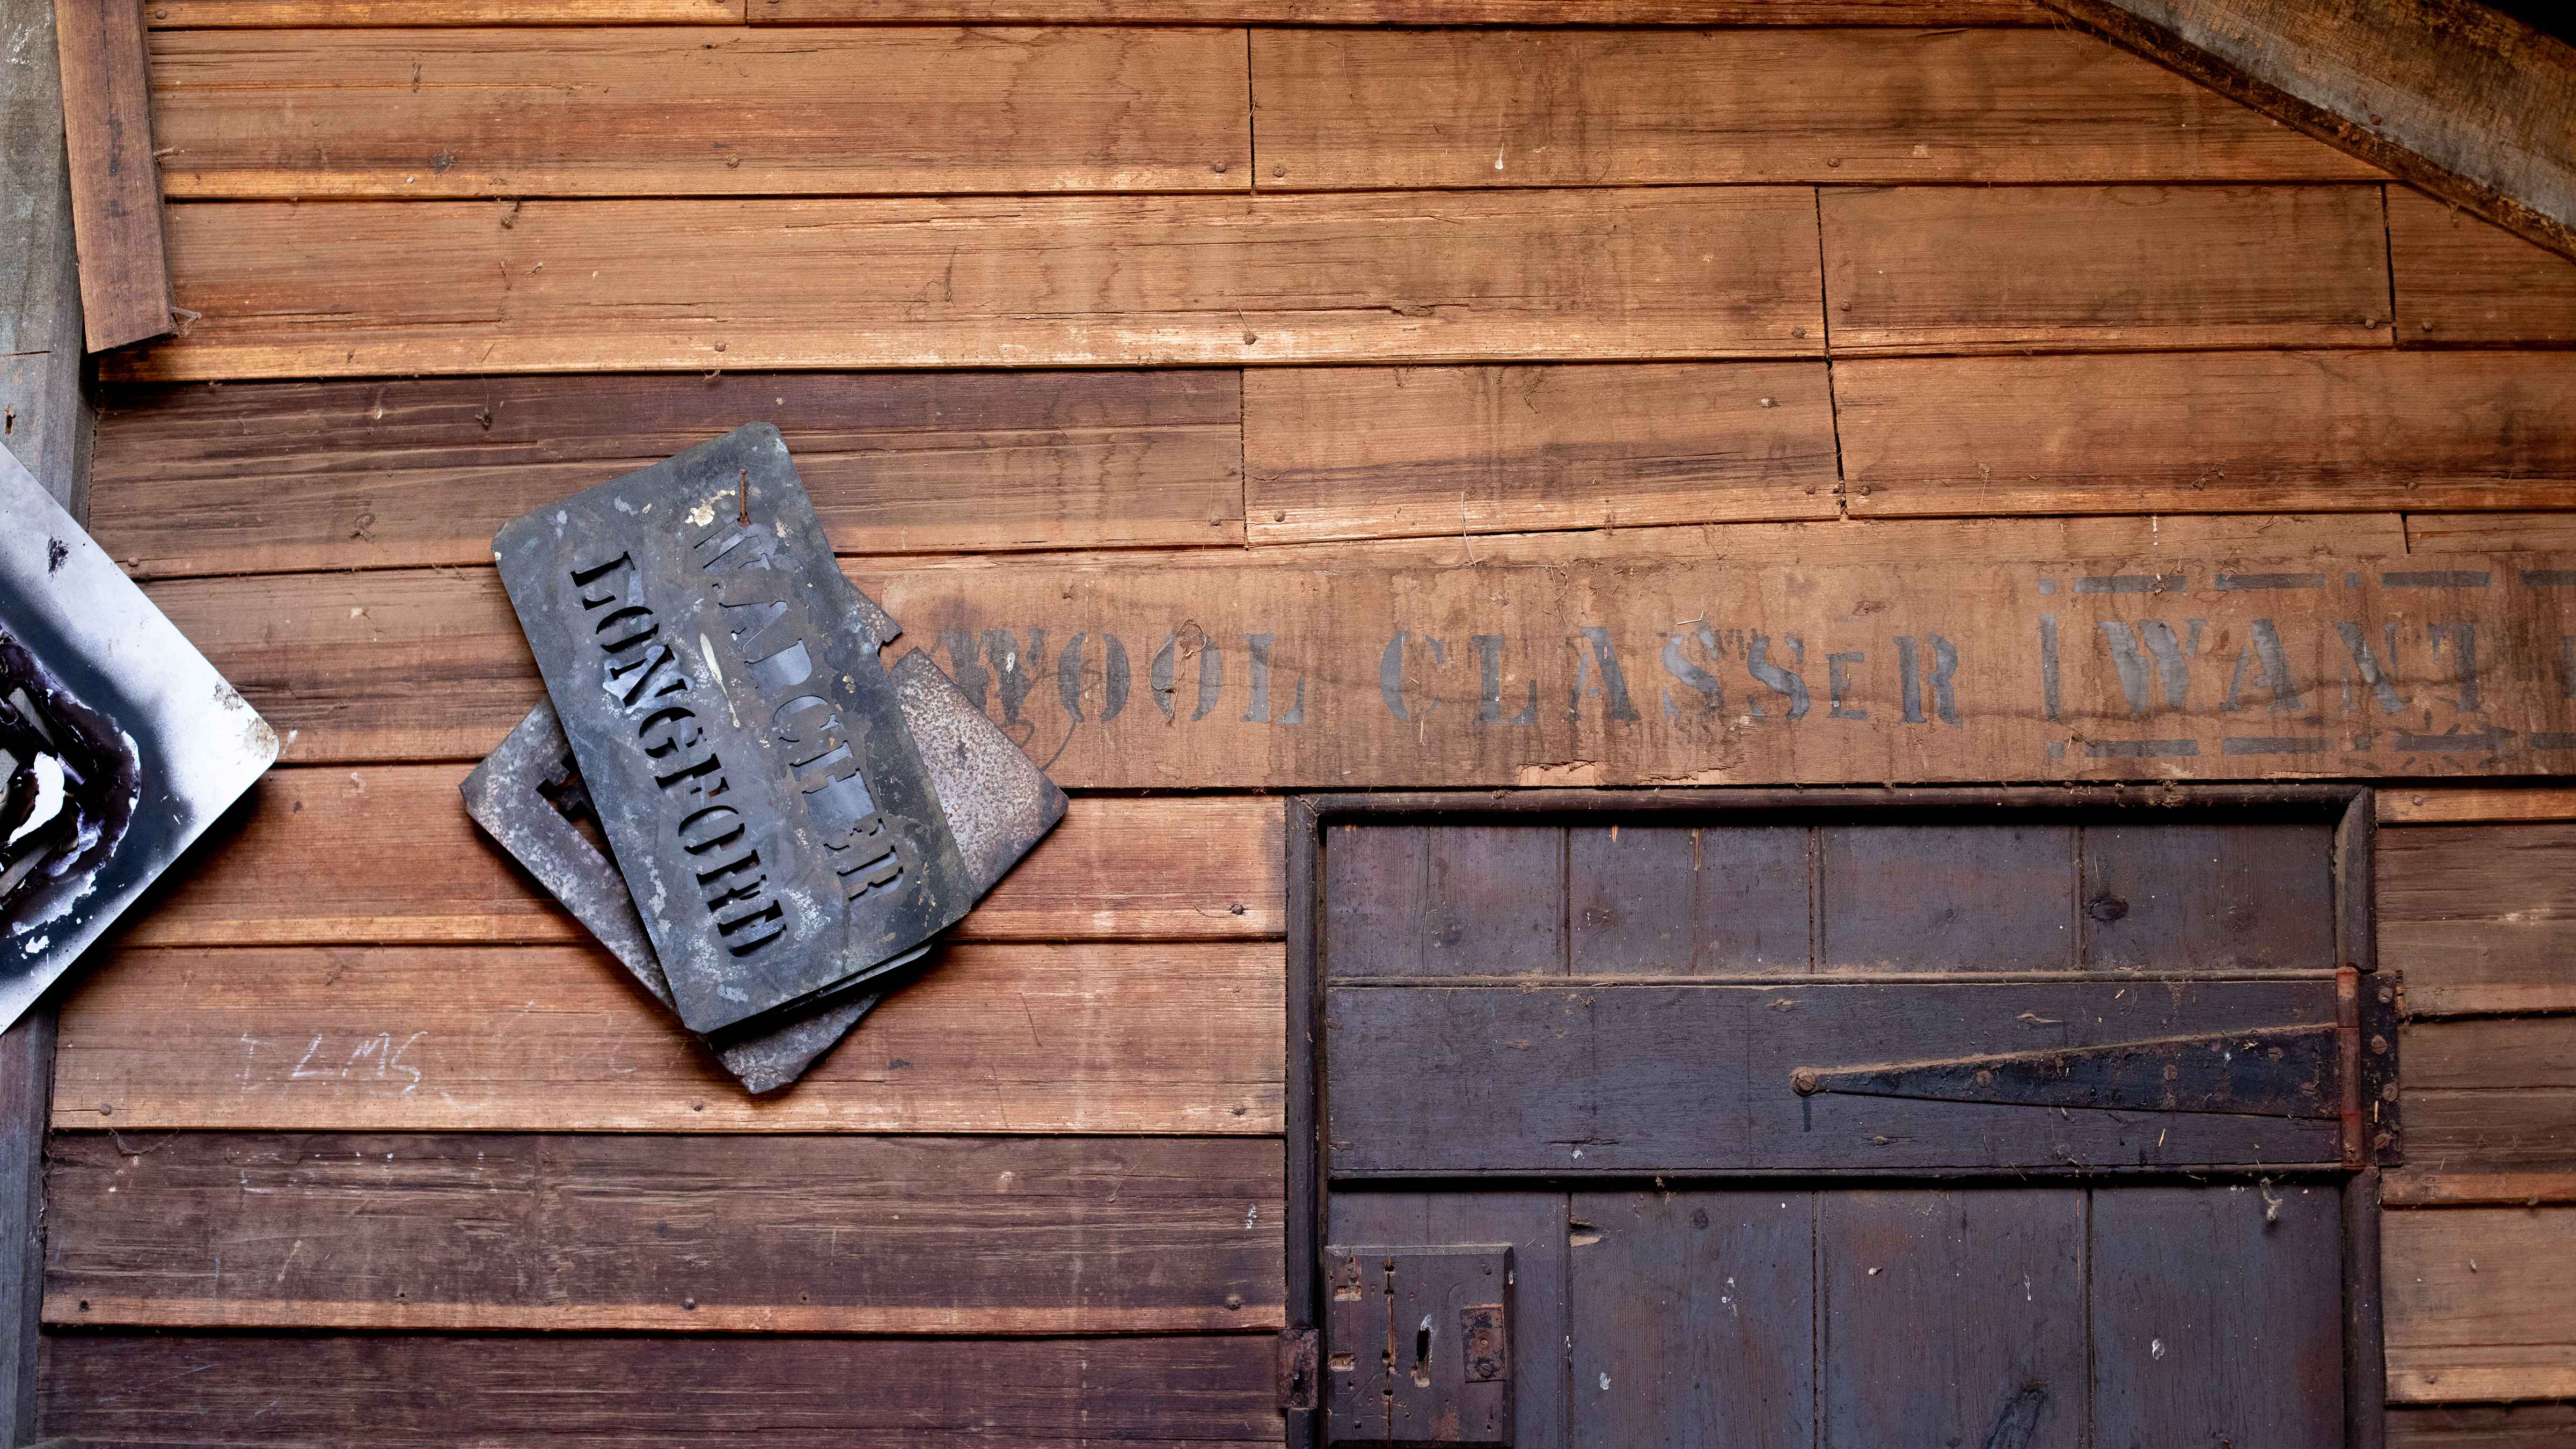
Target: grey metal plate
x,y
742,742
182,743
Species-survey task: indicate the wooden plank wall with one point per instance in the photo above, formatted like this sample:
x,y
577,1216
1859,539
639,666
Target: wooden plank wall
x,y
1234,281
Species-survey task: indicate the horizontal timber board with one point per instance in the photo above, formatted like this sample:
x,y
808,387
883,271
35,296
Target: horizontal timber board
x,y
622,1231
386,855
2491,1053
2476,1302
1379,452
1337,109
2507,1145
2491,532
1966,269
2482,1426
2465,281
2480,918
300,475
1216,672
1000,1039
2467,805
681,111
592,1391
185,14
2196,432
289,290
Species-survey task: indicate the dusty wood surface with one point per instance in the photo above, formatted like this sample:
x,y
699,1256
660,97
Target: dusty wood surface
x,y
2474,805
1229,673
265,477
2488,532
1370,452
2206,432
657,111
387,855
608,1231
2481,918
115,180
2477,1303
731,1391
1106,1037
1968,270
2482,1426
1383,108
2463,100
560,286
2462,282
2499,1143
44,417
291,13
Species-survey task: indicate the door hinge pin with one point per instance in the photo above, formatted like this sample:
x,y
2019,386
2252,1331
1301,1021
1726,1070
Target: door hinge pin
x,y
2348,1063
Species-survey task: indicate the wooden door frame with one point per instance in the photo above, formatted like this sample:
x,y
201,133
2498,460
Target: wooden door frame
x,y
2350,809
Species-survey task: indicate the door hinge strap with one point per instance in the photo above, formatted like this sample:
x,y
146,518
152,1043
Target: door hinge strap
x,y
2272,1071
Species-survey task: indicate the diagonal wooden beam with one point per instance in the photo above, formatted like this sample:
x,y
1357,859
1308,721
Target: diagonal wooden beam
x,y
2467,102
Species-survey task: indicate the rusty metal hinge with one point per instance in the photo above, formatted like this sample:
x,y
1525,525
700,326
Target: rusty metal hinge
x,y
2283,1071
1299,1351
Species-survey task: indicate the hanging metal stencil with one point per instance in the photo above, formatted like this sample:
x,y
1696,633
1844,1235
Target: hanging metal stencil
x,y
741,742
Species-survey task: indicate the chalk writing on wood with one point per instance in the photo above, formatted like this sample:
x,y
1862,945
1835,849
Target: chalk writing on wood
x,y
1660,672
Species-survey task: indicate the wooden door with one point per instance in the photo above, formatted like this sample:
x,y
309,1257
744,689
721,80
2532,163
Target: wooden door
x,y
1990,1120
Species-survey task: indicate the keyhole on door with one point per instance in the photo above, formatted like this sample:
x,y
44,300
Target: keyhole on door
x,y
1422,1353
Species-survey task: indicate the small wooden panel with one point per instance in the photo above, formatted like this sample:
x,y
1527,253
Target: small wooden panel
x,y
1910,1355
1389,108
2170,1264
2490,532
1923,269
685,112
1646,1079
272,476
1569,664
1945,898
1402,452
2477,1303
2499,1142
2254,431
724,1392
2462,280
2238,896
2482,1426
1661,900
608,1231
387,855
290,13
2458,97
1018,1038
1475,900
2481,918
2406,805
1692,1309
583,286
115,180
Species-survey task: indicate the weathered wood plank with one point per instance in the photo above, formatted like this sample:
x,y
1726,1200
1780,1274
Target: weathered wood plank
x,y
2482,1426
26,1088
2194,432
2490,532
2458,97
2463,281
1383,108
44,416
272,476
387,855
725,1392
2503,1143
2404,805
649,111
1592,668
564,286
2489,1053
1096,1037
1923,269
613,1231
292,13
1373,452
2477,1303
115,180
2481,918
